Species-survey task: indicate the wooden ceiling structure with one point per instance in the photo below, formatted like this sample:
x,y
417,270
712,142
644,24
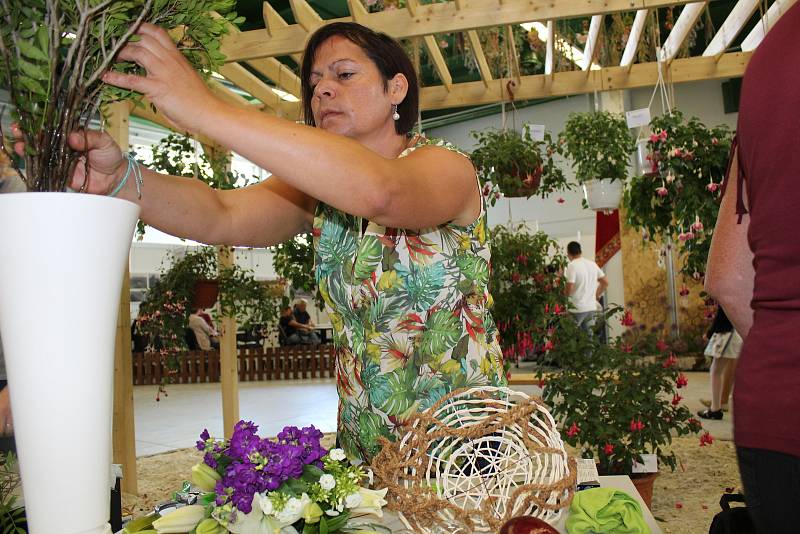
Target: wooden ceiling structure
x,y
260,49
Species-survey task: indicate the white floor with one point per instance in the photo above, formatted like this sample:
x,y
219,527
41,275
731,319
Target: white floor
x,y
177,420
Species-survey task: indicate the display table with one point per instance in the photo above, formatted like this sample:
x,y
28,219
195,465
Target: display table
x,y
621,482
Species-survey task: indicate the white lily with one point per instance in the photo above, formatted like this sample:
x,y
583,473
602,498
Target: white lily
x,y
181,520
372,502
203,477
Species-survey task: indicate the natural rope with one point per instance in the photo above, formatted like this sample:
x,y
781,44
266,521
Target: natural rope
x,y
405,463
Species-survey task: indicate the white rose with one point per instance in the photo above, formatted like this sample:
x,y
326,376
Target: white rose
x,y
293,510
353,500
337,454
266,504
327,482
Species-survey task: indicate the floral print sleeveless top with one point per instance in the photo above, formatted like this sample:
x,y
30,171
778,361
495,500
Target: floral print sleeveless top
x,y
410,316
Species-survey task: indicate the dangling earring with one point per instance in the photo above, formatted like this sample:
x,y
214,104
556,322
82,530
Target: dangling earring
x,y
395,115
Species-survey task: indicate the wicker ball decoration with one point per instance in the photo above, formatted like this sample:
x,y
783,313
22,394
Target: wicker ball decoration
x,y
474,460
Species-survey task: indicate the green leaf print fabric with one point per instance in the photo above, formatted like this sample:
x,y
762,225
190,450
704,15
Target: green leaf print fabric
x,y
410,315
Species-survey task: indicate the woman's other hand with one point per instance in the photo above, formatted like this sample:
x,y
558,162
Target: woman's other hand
x,y
170,83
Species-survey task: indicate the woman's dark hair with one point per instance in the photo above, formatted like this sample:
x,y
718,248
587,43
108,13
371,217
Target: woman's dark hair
x,y
385,53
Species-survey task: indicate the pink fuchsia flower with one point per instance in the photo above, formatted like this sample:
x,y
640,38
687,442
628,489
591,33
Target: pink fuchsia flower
x,y
697,226
670,361
676,153
560,200
661,345
706,439
443,44
712,186
627,319
523,259
662,191
684,291
688,236
714,141
573,430
541,383
688,155
515,277
636,424
670,177
548,346
626,348
608,450
676,399
558,310
681,381
678,505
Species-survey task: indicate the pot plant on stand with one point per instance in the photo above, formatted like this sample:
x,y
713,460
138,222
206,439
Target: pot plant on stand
x,y
617,407
513,164
600,146
69,250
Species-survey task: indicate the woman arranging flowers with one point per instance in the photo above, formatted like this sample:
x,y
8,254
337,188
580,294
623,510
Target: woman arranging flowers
x,y
405,280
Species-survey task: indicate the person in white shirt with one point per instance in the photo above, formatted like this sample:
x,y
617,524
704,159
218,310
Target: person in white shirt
x,y
585,283
207,337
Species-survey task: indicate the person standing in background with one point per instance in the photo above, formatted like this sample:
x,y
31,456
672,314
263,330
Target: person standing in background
x,y
585,283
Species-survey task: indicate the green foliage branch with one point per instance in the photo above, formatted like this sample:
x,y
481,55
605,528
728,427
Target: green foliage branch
x,y
53,55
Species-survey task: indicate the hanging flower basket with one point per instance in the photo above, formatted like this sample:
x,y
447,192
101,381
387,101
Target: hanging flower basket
x,y
205,293
603,195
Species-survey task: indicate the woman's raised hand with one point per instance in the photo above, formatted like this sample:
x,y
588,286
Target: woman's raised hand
x,y
170,82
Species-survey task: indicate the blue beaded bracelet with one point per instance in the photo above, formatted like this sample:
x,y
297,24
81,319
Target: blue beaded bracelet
x,y
137,176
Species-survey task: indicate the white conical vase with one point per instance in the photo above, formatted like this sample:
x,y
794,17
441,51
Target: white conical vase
x,y
603,195
62,259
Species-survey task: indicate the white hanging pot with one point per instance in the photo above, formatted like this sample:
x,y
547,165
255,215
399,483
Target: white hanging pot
x,y
63,260
603,195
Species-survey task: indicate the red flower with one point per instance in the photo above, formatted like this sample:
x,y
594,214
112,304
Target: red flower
x,y
560,200
714,141
558,309
626,348
676,399
515,277
706,439
682,381
678,505
684,291
541,382
712,187
669,362
636,424
608,450
548,346
627,319
573,430
523,259
662,191
662,346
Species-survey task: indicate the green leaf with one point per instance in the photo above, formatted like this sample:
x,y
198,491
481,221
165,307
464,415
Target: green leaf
x,y
323,525
32,85
442,332
397,392
34,71
29,50
369,257
461,349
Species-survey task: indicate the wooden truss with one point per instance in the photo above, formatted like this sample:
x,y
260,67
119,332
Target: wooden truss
x,y
259,49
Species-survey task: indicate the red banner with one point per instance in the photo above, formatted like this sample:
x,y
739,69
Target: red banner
x,y
607,242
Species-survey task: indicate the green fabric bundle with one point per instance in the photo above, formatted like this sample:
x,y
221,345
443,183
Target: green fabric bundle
x,y
605,510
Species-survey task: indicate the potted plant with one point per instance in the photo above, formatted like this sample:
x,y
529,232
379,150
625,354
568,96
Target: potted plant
x,y
70,250
512,164
679,197
527,285
293,260
617,407
164,315
600,145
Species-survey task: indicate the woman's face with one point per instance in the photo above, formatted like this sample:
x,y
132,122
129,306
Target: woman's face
x,y
348,91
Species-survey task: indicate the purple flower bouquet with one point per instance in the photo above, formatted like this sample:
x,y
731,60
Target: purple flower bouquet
x,y
290,485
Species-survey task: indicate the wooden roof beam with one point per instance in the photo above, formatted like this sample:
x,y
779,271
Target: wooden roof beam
x,y
412,6
432,19
439,62
684,24
274,22
145,111
480,58
774,13
634,38
357,11
305,15
281,75
576,82
250,83
730,29
591,41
